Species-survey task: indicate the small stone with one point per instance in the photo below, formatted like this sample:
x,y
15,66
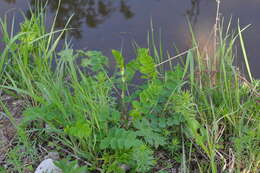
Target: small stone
x,y
47,166
52,155
125,167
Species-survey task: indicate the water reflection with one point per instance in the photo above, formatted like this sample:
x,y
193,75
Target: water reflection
x,y
125,10
89,12
95,12
10,1
193,12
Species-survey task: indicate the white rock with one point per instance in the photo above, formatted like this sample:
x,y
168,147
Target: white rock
x,y
47,166
52,155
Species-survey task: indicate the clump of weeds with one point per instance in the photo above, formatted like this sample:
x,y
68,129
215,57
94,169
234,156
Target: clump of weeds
x,y
201,115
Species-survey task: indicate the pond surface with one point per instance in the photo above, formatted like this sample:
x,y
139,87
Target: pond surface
x,y
115,24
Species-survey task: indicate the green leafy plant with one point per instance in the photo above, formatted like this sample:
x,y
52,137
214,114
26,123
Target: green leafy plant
x,y
70,166
197,114
142,159
147,65
150,135
120,139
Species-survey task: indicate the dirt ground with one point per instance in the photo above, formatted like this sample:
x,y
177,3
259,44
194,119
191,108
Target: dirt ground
x,y
7,128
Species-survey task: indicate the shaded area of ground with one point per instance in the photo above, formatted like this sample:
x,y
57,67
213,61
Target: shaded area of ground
x,y
7,128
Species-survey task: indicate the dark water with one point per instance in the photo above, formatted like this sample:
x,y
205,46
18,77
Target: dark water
x,y
115,24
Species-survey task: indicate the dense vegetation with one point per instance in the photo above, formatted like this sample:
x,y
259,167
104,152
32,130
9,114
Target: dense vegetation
x,y
200,115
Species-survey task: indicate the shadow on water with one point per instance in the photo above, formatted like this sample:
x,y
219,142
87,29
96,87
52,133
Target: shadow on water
x,y
193,13
10,1
89,12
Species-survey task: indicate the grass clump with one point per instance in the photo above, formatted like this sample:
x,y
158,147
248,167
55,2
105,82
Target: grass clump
x,y
201,116
226,104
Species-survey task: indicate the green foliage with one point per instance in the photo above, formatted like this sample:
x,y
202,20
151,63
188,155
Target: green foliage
x,y
107,121
127,71
119,60
131,69
120,139
146,62
129,150
142,159
94,60
155,96
2,169
67,55
150,135
148,99
32,30
183,104
70,166
17,162
45,113
79,129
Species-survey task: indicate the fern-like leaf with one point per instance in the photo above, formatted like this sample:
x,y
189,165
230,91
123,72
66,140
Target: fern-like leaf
x,y
150,135
147,66
120,139
143,159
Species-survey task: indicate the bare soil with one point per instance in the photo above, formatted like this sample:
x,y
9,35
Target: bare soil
x,y
7,124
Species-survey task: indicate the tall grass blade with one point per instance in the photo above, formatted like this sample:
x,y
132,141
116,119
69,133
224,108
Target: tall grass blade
x,y
244,53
